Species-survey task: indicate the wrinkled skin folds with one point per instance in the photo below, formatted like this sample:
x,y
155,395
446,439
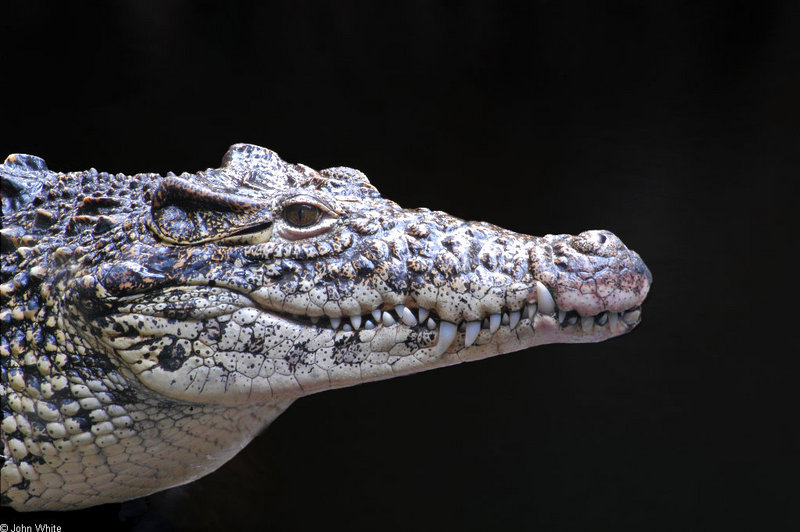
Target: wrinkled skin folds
x,y
152,326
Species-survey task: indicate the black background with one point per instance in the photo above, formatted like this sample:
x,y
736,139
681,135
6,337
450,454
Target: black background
x,y
672,124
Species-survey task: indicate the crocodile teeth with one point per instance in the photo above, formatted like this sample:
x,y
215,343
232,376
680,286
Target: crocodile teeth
x,y
447,333
406,315
613,320
421,317
471,333
494,322
631,316
545,301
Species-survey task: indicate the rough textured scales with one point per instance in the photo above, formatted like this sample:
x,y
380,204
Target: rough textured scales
x,y
152,326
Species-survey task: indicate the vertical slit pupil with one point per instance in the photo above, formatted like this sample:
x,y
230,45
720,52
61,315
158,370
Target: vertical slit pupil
x,y
301,214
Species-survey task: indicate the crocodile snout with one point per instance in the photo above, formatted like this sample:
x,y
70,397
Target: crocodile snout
x,y
591,272
602,243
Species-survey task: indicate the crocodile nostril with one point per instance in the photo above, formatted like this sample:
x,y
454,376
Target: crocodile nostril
x,y
598,242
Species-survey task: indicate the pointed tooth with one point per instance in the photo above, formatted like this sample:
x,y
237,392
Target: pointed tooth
x,y
346,327
407,316
314,319
545,301
602,318
531,310
376,315
387,319
561,315
631,316
513,318
423,314
613,320
587,322
356,321
471,332
494,322
572,319
504,320
430,324
447,333
368,324
335,322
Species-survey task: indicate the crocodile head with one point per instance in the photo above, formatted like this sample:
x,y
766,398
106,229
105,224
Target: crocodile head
x,y
262,281
152,326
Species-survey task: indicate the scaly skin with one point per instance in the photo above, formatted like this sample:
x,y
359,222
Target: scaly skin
x,y
152,326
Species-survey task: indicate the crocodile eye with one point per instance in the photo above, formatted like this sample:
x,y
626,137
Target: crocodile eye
x,y
305,216
301,214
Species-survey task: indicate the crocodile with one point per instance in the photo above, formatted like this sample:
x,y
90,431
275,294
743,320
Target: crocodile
x,y
153,325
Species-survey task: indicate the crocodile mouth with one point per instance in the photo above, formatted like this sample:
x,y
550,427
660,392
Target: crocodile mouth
x,y
421,318
197,303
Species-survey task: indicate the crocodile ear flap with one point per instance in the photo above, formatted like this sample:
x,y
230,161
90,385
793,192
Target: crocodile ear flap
x,y
343,173
183,213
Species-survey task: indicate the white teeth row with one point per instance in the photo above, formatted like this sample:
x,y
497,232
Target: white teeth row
x,y
448,331
629,317
387,318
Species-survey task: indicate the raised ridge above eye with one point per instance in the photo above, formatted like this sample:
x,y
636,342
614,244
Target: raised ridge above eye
x,y
243,153
21,178
23,160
